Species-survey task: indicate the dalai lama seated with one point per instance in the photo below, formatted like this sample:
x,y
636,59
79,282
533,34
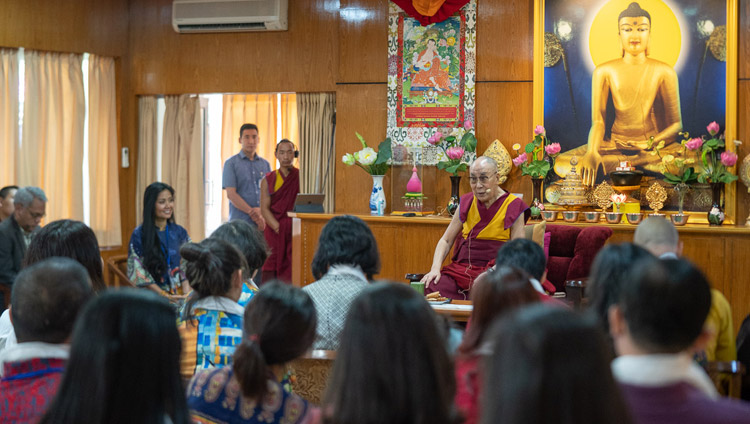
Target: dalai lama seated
x,y
486,218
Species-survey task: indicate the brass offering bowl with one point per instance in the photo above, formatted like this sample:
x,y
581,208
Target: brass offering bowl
x,y
634,218
679,219
592,217
549,216
613,217
570,216
657,215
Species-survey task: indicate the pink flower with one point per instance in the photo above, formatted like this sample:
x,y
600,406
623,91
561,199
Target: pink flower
x,y
552,149
455,152
694,144
713,128
468,124
520,159
435,138
539,130
728,159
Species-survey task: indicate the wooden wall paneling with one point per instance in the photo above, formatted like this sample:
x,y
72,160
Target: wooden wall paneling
x,y
736,287
743,133
707,253
505,35
744,42
363,41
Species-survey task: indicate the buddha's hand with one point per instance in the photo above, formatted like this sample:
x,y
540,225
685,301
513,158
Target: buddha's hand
x,y
590,166
432,276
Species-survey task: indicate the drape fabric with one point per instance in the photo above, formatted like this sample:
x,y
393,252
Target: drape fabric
x,y
8,115
147,153
315,113
103,158
52,136
289,121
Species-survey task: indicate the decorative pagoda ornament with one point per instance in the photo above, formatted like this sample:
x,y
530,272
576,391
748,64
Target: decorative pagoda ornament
x,y
572,192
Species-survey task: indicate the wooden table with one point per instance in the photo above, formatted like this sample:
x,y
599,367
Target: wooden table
x,y
459,310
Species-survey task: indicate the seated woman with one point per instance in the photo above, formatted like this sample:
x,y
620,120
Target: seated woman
x,y
251,243
346,259
279,327
549,365
495,293
211,320
123,365
154,254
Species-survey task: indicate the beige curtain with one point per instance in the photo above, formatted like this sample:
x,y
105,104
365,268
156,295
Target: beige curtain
x,y
52,140
8,115
182,162
238,109
289,122
315,112
147,150
104,187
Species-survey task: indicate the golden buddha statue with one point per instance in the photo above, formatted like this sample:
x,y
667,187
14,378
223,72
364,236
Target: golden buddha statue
x,y
646,100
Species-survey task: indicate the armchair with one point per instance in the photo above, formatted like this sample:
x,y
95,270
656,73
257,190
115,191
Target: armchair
x,y
572,251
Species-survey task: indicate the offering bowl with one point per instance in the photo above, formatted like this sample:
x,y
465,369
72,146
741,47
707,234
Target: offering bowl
x,y
591,217
634,218
613,217
570,216
549,216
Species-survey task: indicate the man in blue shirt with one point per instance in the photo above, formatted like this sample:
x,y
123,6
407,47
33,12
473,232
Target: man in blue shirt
x,y
241,179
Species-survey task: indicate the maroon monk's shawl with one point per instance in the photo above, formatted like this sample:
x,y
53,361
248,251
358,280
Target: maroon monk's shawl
x,y
282,201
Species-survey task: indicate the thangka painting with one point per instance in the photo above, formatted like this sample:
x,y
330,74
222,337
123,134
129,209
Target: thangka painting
x,y
431,74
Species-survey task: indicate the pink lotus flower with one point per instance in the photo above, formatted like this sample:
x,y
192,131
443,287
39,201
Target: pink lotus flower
x,y
539,130
552,149
435,138
694,144
520,159
713,128
455,152
468,124
728,159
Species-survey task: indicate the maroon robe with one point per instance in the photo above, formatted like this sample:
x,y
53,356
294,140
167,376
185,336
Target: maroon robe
x,y
282,201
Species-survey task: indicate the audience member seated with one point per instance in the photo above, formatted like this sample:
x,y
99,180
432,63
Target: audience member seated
x,y
46,299
659,236
123,365
251,243
656,326
495,293
17,231
392,366
280,326
527,256
486,218
7,194
62,238
211,320
549,366
346,259
154,253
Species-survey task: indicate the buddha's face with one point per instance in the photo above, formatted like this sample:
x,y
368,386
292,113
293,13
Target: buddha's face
x,y
634,34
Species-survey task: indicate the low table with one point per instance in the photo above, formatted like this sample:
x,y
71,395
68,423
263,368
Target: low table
x,y
459,310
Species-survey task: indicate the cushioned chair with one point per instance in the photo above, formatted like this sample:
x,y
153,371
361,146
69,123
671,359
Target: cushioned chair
x,y
572,251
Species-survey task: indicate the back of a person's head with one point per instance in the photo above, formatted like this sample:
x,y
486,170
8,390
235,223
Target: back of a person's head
x,y
657,235
123,365
393,365
665,305
248,240
611,270
493,294
70,239
523,254
279,326
209,266
549,365
346,240
46,299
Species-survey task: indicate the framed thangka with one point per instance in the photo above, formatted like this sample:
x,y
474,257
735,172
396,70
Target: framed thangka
x,y
602,99
431,74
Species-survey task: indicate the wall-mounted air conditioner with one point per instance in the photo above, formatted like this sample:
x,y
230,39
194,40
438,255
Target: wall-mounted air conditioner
x,y
189,16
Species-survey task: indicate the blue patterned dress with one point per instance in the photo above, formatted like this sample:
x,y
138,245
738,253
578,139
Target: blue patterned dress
x,y
171,239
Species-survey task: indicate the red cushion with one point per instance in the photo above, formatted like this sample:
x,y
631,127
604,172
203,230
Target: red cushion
x,y
572,251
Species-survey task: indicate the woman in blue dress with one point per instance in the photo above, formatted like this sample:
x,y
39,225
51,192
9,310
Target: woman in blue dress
x,y
154,254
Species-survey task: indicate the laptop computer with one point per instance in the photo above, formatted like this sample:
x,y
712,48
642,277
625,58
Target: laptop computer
x,y
309,203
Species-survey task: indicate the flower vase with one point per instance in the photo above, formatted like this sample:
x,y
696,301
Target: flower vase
x,y
377,197
536,197
716,214
455,196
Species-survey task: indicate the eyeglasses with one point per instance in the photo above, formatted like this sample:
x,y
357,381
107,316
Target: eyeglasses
x,y
482,178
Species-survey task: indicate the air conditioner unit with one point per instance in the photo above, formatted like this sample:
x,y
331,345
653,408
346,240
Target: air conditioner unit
x,y
190,16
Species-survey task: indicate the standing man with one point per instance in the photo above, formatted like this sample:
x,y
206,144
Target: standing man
x,y
278,192
16,231
241,178
7,194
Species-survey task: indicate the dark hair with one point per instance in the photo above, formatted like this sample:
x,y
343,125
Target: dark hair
x,y
666,304
346,239
494,294
285,140
612,269
46,299
393,365
209,266
279,326
549,365
248,240
634,10
523,254
70,239
124,364
247,127
154,259
6,190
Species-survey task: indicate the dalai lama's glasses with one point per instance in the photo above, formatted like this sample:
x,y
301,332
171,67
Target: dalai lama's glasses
x,y
482,179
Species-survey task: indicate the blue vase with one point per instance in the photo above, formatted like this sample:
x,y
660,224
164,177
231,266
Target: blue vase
x,y
377,197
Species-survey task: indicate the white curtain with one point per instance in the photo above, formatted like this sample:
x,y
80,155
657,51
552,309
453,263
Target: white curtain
x,y
8,115
315,112
147,150
104,186
52,141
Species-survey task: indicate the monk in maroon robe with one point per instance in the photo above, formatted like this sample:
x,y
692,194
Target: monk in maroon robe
x,y
487,218
278,191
